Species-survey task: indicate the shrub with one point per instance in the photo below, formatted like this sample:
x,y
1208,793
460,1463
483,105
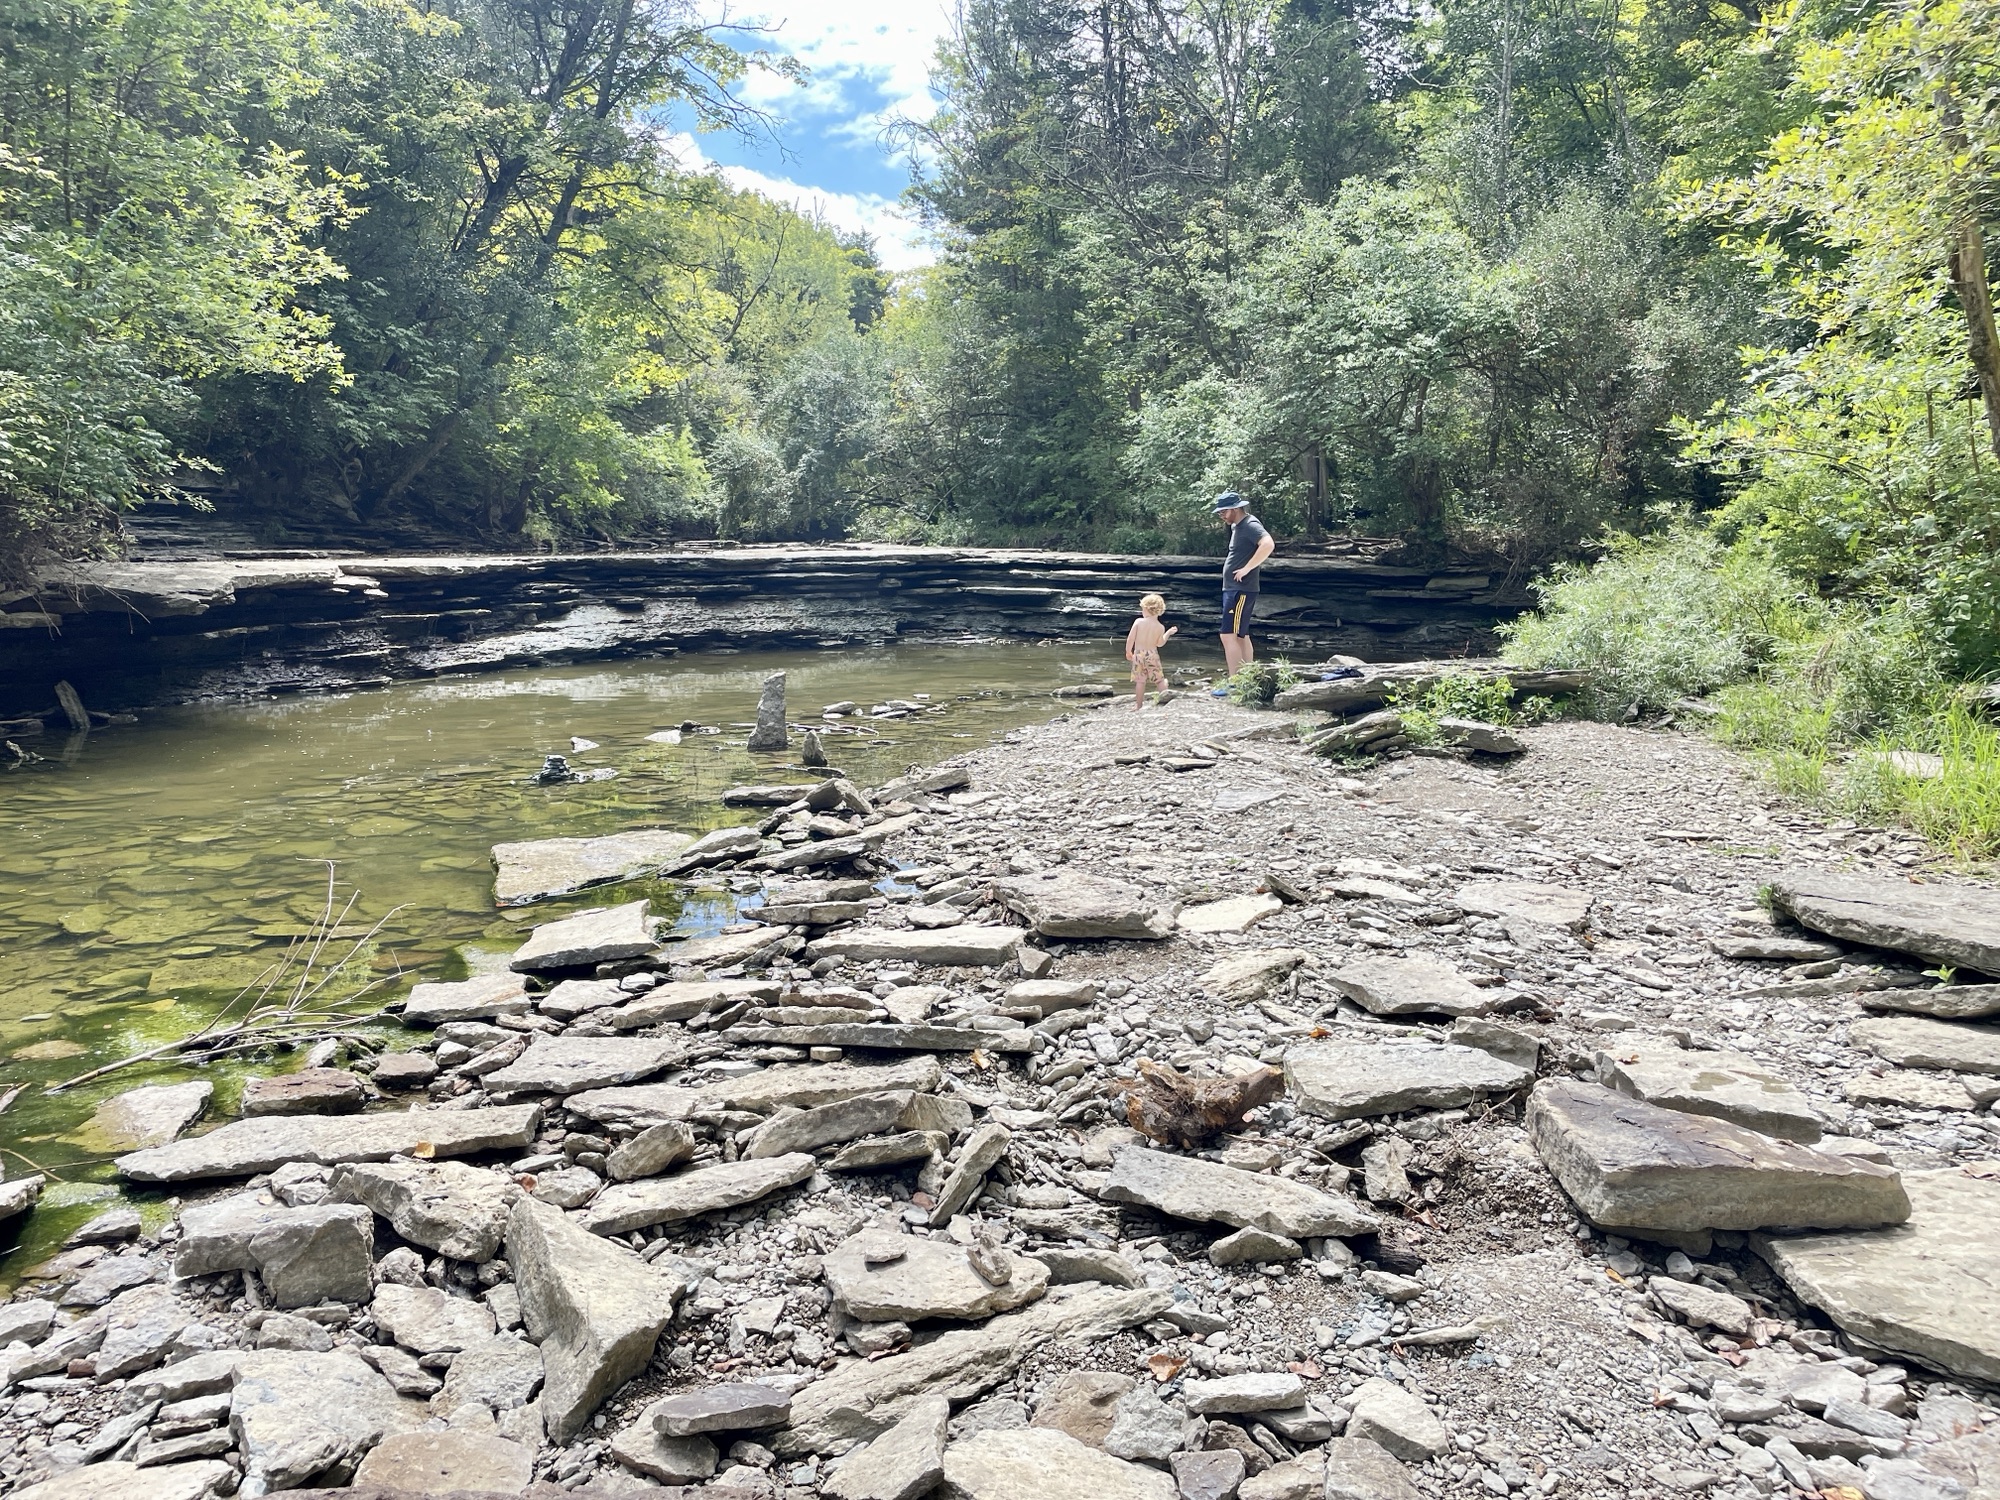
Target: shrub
x,y
1259,683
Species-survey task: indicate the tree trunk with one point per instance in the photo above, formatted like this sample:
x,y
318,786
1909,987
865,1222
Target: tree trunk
x,y
1967,260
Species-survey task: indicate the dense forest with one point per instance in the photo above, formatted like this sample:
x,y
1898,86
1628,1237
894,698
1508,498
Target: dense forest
x,y
1492,274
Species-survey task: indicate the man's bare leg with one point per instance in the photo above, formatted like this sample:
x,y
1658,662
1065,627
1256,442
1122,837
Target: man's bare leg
x,y
1232,654
1246,650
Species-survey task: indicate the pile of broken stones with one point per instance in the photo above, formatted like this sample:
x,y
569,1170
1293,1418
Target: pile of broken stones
x,y
1026,1140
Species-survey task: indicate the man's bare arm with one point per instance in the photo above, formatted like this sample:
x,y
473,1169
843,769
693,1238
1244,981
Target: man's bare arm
x,y
1264,549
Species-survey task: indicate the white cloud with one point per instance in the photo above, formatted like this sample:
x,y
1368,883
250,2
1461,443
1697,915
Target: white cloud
x,y
890,43
899,238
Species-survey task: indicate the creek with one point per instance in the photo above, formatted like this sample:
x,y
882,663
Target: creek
x,y
148,874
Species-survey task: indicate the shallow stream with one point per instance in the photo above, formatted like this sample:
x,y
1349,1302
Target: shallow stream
x,y
149,874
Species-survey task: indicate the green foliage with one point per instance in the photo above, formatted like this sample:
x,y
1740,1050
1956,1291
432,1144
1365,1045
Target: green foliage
x,y
1258,684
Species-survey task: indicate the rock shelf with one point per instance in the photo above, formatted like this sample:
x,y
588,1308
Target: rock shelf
x,y
1547,1186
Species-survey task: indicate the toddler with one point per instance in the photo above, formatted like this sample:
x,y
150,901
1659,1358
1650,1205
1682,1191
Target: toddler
x,y
1142,649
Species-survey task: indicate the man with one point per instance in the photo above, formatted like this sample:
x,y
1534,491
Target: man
x,y
1249,545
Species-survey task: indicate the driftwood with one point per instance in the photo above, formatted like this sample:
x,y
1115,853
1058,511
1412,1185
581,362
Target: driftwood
x,y
1374,684
1178,1110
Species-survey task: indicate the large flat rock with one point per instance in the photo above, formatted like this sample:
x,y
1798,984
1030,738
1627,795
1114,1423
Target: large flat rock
x,y
596,1309
1344,1079
1954,925
889,1036
1948,1002
478,999
1413,986
570,1064
1920,1042
1628,1164
904,1463
828,1124
304,1256
244,1148
541,869
1040,1463
149,1116
723,950
1928,1288
1725,1085
866,1398
625,1206
1527,901
1188,1187
1066,903
967,945
773,1088
590,937
432,1463
884,1278
297,1416
457,1210
117,1480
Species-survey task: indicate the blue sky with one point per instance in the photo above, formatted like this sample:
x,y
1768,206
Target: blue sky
x,y
868,63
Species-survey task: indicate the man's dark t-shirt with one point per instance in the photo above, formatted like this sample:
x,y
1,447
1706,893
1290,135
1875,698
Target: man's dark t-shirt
x,y
1244,538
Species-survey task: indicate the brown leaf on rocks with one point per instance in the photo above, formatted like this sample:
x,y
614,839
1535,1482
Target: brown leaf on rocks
x,y
1165,1365
1177,1110
423,1151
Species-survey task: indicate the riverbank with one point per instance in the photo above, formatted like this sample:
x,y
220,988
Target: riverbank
x,y
867,1170
136,634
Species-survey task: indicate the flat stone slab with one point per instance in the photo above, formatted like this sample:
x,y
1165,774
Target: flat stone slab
x,y
149,1116
1724,1085
682,1000
734,1406
570,1064
1927,1288
244,1148
1921,1042
1040,1463
1345,1079
596,1309
1954,925
425,1320
117,1480
430,1463
1241,1393
1414,986
772,1088
1188,1187
725,950
310,1091
1233,914
590,937
1628,1164
542,869
904,1463
1527,900
1066,903
967,945
827,1124
866,1398
1362,1469
297,1415
479,999
925,1279
1248,977
1948,1002
888,1036
304,1256
625,1206
1902,1089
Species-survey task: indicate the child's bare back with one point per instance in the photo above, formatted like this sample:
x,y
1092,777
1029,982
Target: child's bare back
x,y
1142,648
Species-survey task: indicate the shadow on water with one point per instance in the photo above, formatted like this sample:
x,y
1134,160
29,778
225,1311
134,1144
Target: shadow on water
x,y
149,874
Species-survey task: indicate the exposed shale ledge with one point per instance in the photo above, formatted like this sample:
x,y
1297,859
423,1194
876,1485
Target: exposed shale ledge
x,y
132,634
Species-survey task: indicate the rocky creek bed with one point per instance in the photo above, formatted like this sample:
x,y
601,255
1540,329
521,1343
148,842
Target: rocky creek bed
x,y
1552,1162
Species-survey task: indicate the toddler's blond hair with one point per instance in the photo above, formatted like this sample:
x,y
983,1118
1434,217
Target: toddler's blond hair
x,y
1153,604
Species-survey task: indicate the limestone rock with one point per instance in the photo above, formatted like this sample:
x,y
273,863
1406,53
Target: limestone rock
x,y
20,1195
1362,1469
1920,1042
1954,925
1529,901
596,1309
890,1037
644,1449
1952,1002
304,1256
244,1148
1071,1264
651,1152
1211,1475
1632,1165
770,733
1234,914
428,1463
1508,1043
118,1480
149,1116
1913,1090
981,1153
140,1326
1924,1288
1702,1307
501,1372
1253,1247
1084,1404
1190,1188
1242,1393
1383,1412
965,945
1143,1427
458,1210
725,950
927,1279
904,1463
1298,1478
570,1064
1066,903
1248,977
405,1070
1039,1463
592,937
541,869
686,999
625,1206
425,1320
863,1399
310,1091
827,1125
1724,1085
889,1150
1417,985
579,997
1475,734
1051,995
1344,1079
734,1406
763,1091
297,1416
477,999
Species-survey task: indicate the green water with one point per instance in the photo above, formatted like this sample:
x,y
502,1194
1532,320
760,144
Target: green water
x,y
149,874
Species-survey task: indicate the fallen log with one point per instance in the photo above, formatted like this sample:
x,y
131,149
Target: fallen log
x,y
1177,1110
1375,684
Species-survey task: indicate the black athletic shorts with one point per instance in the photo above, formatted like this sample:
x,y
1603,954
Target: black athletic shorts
x,y
1237,607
